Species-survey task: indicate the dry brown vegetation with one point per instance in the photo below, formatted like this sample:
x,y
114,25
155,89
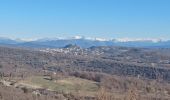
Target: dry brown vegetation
x,y
93,77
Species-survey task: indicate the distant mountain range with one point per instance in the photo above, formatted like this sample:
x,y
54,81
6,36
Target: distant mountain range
x,y
84,43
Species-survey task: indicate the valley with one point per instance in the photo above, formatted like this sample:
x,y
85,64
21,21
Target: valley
x,y
75,73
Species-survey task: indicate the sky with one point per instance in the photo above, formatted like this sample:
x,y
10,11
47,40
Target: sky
x,y
89,18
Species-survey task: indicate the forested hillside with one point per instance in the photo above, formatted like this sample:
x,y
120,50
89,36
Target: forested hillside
x,y
76,73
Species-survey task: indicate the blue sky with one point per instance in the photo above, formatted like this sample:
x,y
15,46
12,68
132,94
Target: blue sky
x,y
90,18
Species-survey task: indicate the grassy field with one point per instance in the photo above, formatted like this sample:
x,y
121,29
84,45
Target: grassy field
x,y
66,85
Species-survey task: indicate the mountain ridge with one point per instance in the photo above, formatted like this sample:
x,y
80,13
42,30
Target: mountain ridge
x,y
86,42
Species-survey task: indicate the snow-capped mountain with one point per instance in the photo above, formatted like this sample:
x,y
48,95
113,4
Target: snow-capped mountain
x,y
4,40
85,42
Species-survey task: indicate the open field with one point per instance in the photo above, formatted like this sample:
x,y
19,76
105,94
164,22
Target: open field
x,y
70,84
